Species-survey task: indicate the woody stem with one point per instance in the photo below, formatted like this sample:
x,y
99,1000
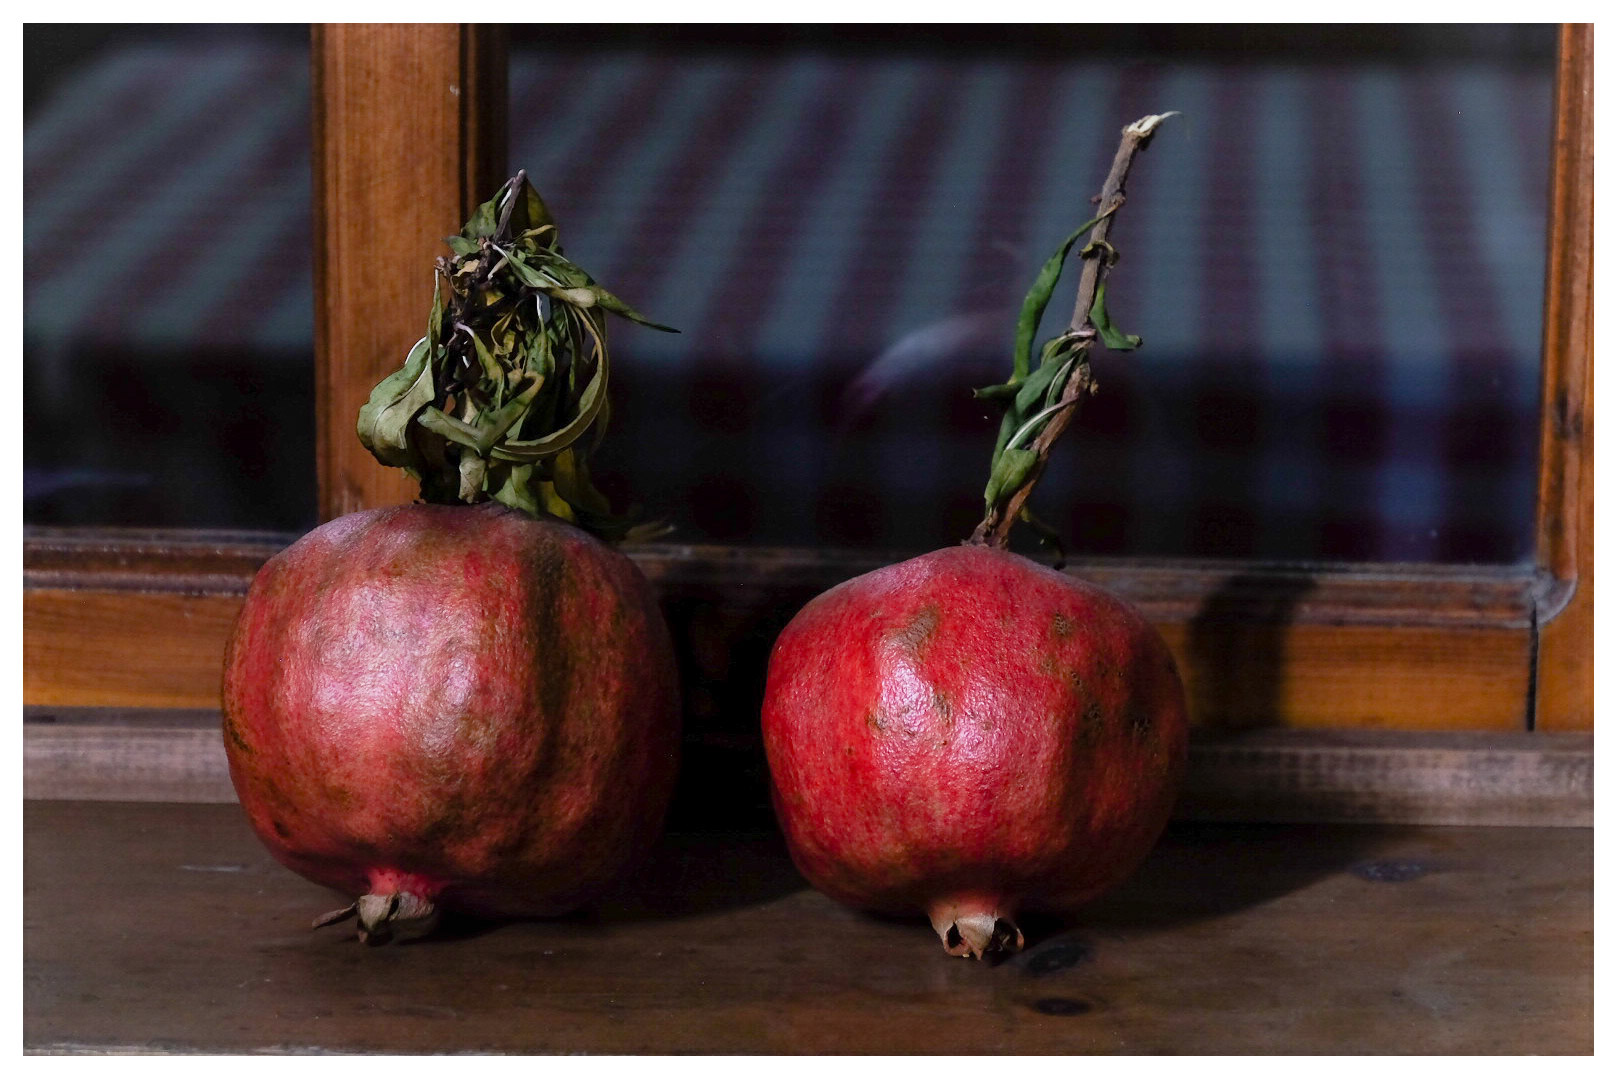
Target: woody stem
x,y
994,530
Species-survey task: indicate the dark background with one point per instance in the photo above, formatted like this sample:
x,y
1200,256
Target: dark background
x,y
1389,434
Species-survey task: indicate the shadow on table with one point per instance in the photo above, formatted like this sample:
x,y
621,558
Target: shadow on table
x,y
694,874
687,875
1201,871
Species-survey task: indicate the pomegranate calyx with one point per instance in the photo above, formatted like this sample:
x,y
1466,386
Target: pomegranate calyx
x,y
336,916
975,933
387,918
399,916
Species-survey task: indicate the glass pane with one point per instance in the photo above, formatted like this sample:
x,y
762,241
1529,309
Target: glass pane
x,y
1335,257
168,336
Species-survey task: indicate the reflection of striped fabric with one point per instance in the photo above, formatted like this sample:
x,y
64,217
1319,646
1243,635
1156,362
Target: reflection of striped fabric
x,y
1336,269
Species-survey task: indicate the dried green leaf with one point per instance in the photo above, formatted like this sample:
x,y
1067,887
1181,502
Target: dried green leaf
x,y
618,307
491,369
484,221
1114,338
535,449
1030,396
553,503
385,418
511,484
434,321
507,396
571,479
447,426
531,275
482,436
644,533
1032,308
473,472
529,216
1029,430
1009,473
997,394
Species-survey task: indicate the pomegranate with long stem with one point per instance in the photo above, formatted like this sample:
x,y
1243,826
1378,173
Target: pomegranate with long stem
x,y
970,734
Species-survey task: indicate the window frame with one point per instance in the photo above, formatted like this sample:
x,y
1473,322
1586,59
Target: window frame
x,y
414,117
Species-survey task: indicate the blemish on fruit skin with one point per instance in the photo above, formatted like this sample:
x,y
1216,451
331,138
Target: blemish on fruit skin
x,y
918,633
1139,721
1063,625
233,734
872,719
1093,719
943,704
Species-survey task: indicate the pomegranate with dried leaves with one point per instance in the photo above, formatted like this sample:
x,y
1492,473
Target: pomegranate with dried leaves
x,y
468,704
970,734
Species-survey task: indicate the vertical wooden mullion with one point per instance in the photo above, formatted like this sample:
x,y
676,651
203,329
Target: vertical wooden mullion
x,y
1564,683
409,135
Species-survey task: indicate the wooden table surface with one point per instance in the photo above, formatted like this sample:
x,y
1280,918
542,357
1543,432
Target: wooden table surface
x,y
166,927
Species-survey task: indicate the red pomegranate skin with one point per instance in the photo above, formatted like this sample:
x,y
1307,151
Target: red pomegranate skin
x,y
456,701
970,731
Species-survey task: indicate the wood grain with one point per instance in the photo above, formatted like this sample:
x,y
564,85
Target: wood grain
x,y
168,928
1341,646
1565,674
409,136
135,649
1365,776
125,755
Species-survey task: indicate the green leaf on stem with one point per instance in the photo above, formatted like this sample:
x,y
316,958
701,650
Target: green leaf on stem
x,y
384,419
1009,474
484,221
481,436
1043,287
473,474
618,307
1114,338
530,215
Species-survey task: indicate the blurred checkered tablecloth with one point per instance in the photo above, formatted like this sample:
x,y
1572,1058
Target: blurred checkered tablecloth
x,y
1337,269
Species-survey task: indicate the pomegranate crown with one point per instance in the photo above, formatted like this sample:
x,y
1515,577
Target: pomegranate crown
x,y
505,397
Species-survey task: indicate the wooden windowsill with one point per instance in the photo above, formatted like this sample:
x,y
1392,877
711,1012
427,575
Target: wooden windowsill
x,y
1258,775
155,927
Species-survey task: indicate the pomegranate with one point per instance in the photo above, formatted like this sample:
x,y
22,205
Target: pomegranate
x,y
969,734
465,707
472,703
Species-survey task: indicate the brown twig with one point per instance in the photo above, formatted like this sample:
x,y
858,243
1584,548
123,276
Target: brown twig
x,y
994,530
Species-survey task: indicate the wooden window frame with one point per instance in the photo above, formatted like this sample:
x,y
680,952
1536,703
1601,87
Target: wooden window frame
x,y
410,121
